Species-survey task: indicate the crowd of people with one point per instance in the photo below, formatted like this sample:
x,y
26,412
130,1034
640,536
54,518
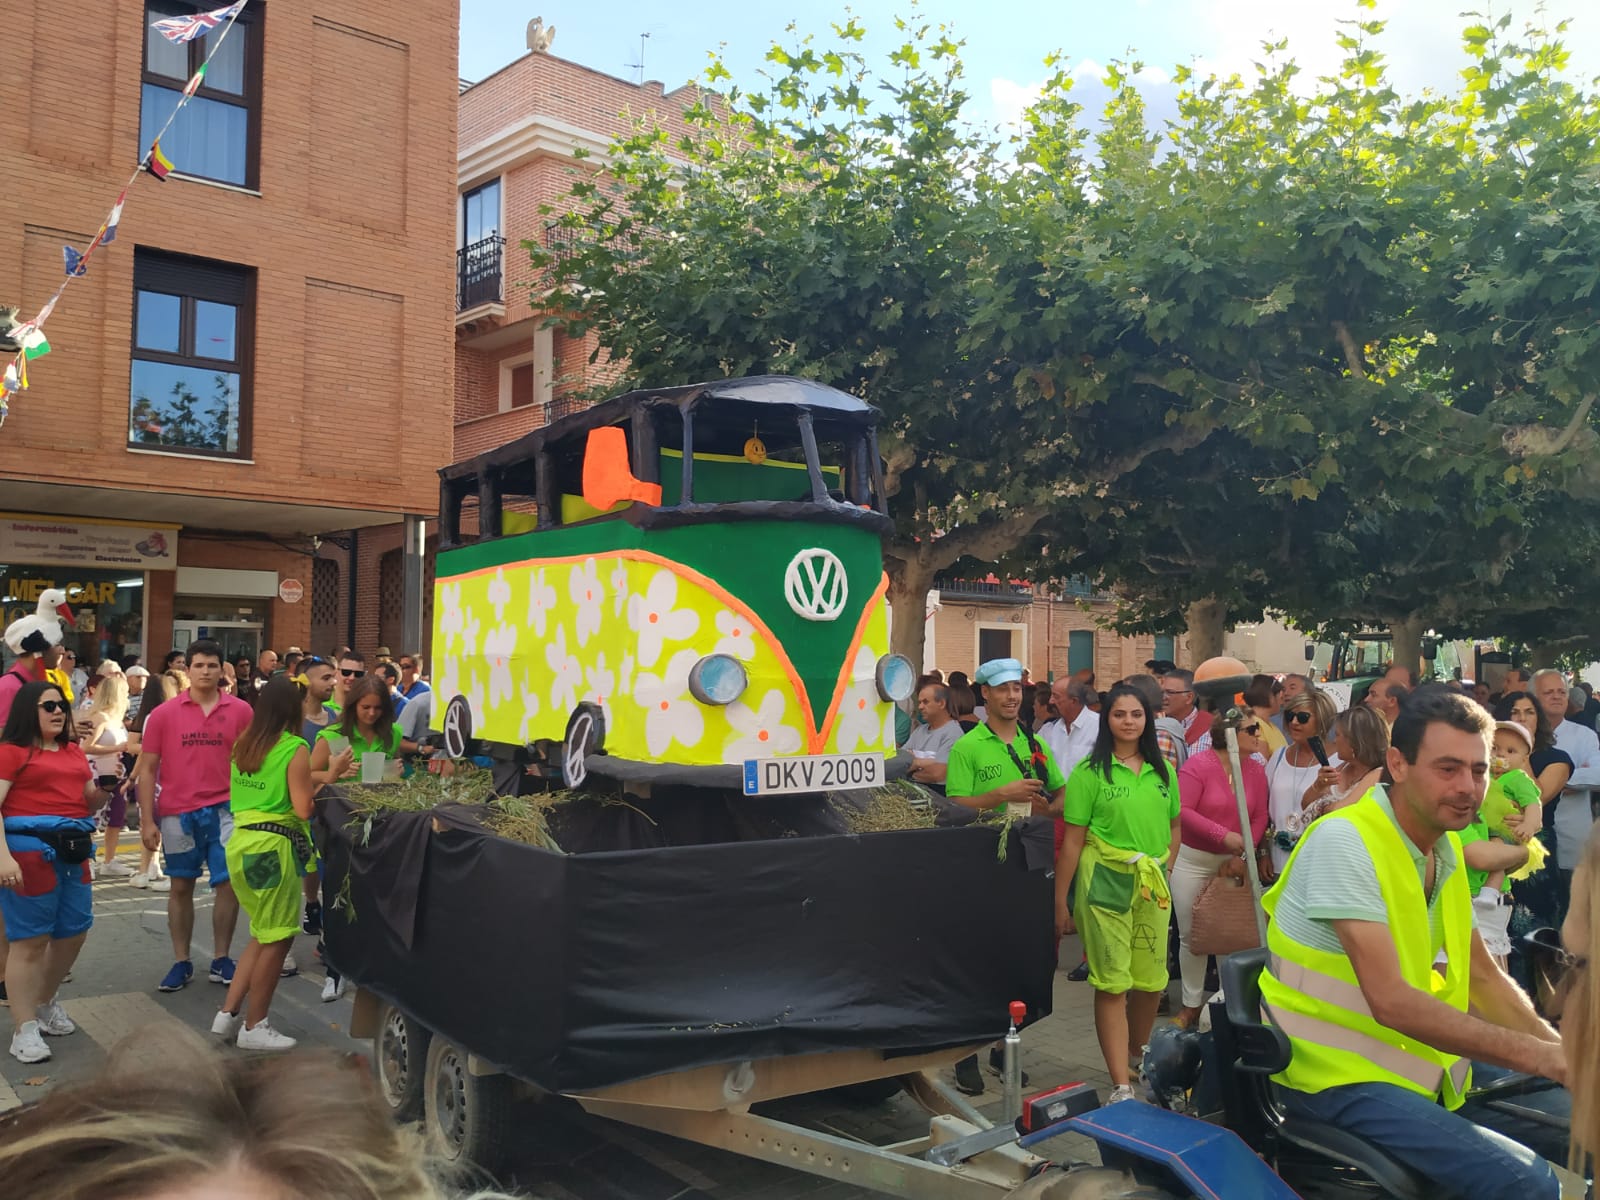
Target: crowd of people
x,y
1398,839
220,760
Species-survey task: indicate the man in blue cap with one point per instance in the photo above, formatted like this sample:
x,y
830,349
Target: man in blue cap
x,y
1000,762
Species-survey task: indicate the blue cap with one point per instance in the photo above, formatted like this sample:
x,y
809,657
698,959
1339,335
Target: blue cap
x,y
998,670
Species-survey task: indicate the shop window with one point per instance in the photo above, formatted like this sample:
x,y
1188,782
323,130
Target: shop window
x,y
1080,650
218,133
189,388
107,608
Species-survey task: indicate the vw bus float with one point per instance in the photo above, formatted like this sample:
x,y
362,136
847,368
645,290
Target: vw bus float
x,y
680,585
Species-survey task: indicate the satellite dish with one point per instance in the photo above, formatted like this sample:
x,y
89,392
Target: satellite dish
x,y
539,38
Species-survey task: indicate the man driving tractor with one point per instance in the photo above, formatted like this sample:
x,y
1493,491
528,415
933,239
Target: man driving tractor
x,y
1381,981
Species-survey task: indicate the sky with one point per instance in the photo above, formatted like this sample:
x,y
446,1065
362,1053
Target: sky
x,y
1007,40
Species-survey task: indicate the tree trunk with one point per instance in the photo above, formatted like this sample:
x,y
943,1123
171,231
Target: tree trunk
x,y
909,585
1407,635
1206,620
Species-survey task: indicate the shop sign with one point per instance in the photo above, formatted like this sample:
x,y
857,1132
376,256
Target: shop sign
x,y
67,542
291,591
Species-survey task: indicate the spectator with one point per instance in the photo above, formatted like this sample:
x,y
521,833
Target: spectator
x,y
1265,698
186,751
59,663
1178,687
230,681
244,678
270,796
48,797
77,675
266,667
1292,770
1482,694
1384,697
367,723
1404,676
1072,734
1572,817
1169,733
1539,901
176,660
137,678
390,674
1211,838
317,713
416,720
930,741
1576,699
107,741
352,665
1295,685
1121,809
1360,746
963,704
163,688
293,662
1591,706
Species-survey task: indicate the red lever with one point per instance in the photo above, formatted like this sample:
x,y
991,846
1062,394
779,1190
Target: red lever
x,y
1019,1012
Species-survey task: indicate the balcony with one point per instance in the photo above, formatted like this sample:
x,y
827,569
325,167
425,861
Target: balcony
x,y
987,591
480,274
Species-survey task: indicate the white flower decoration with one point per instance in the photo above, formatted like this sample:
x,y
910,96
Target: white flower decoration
x,y
587,594
858,712
446,684
499,594
566,669
530,707
619,587
762,732
450,619
738,635
499,645
602,684
469,634
541,599
474,696
671,714
625,674
654,619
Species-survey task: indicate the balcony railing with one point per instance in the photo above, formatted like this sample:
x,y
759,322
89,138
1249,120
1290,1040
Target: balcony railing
x,y
480,273
990,590
564,406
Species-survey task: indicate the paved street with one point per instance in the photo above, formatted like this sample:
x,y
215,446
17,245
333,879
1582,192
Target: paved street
x,y
563,1153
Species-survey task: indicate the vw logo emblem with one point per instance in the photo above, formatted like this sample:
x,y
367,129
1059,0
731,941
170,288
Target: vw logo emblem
x,y
815,585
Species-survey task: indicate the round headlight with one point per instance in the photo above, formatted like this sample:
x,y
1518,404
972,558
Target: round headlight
x,y
897,678
718,679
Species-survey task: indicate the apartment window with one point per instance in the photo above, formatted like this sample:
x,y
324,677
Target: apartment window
x,y
218,133
1080,650
522,386
480,213
193,321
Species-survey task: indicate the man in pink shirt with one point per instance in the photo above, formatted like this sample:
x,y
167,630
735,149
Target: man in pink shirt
x,y
186,753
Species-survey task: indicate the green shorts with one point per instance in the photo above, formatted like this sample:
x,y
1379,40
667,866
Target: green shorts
x,y
266,873
1124,934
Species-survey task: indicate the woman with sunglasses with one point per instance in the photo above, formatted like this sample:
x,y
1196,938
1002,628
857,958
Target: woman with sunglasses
x,y
1292,770
48,798
1211,841
1360,745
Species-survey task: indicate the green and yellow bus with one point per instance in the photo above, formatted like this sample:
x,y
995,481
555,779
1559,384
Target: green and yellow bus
x,y
678,585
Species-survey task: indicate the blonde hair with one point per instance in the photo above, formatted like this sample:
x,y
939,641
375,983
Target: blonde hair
x,y
1580,1009
110,698
309,1124
1320,705
173,682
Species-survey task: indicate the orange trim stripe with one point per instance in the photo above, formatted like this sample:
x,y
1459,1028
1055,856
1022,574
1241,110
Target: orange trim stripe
x,y
703,581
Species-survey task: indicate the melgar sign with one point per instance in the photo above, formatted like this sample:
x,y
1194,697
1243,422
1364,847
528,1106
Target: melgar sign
x,y
34,540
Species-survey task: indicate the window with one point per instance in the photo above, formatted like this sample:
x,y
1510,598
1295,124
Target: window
x,y
1164,648
994,643
193,322
1080,650
480,213
218,133
522,386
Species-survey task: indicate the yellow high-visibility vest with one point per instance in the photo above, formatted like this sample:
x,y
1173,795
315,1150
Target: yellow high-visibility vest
x,y
1315,998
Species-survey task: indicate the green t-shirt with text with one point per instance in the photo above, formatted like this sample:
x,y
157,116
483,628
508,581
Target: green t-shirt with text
x,y
267,790
980,762
1131,812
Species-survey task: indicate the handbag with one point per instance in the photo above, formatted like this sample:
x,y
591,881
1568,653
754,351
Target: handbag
x,y
1224,920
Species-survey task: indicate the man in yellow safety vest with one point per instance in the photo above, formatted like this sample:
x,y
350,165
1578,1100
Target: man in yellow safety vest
x,y
1374,961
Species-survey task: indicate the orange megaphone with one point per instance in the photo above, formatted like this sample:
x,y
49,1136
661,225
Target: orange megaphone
x,y
607,478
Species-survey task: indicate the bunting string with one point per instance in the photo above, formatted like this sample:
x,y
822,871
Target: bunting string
x,y
30,335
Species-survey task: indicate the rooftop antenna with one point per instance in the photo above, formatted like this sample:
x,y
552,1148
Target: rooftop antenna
x,y
639,66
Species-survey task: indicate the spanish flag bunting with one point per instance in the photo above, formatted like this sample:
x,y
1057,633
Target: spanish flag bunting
x,y
158,164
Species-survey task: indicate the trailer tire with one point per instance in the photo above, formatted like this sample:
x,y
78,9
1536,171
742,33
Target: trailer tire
x,y
466,1117
586,734
399,1060
457,727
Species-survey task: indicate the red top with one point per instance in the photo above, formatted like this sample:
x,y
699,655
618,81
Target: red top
x,y
49,785
1209,808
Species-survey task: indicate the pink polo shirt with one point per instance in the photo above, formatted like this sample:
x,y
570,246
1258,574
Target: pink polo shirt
x,y
196,750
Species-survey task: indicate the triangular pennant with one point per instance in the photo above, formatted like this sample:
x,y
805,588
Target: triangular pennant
x,y
74,261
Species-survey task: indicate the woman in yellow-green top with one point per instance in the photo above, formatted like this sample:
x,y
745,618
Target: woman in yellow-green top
x,y
1121,813
270,796
367,723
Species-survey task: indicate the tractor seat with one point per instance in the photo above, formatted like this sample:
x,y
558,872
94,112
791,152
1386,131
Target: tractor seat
x,y
1264,1050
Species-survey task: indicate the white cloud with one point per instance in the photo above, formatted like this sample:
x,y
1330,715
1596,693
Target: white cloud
x,y
1010,99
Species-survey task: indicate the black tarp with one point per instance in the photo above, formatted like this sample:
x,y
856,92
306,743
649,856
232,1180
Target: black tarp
x,y
582,970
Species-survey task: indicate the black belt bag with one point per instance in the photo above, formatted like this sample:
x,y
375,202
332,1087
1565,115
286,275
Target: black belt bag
x,y
304,852
72,846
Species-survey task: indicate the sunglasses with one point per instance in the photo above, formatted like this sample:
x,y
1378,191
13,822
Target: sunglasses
x,y
407,666
349,674
54,706
1297,718
1252,730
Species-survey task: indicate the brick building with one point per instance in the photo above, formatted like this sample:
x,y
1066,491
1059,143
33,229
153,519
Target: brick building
x,y
261,359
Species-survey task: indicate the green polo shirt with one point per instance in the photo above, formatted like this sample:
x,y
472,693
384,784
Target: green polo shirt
x,y
979,763
1131,812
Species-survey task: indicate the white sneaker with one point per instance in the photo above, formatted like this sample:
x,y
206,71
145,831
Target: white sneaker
x,y
264,1037
26,1044
160,883
139,879
1123,1091
288,967
225,1024
115,869
332,988
53,1019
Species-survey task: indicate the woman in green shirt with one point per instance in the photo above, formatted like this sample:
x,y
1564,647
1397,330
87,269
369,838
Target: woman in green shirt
x,y
367,723
1121,813
268,852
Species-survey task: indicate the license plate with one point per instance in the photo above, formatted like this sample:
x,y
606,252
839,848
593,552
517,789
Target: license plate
x,y
811,773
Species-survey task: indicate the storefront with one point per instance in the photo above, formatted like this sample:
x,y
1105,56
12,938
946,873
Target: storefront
x,y
105,568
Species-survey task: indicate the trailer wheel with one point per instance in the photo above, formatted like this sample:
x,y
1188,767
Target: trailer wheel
x,y
586,733
399,1058
457,727
466,1117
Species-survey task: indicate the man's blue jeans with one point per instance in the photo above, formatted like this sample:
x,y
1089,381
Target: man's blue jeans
x,y
1472,1152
